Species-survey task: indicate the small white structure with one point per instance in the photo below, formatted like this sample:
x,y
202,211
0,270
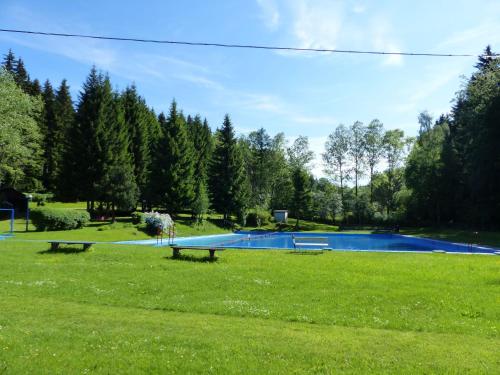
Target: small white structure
x,y
281,216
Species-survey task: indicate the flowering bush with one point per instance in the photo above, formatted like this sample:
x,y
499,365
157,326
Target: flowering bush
x,y
156,222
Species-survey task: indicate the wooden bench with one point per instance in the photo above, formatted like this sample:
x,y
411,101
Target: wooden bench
x,y
176,250
303,242
54,245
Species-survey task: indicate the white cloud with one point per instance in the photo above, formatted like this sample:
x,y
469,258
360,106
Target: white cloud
x,y
330,24
382,40
317,25
479,36
426,87
359,8
270,13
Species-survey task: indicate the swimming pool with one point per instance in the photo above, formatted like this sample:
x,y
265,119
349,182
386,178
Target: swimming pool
x,y
332,241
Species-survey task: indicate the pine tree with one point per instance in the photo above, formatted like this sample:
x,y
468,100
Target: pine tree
x,y
228,182
174,163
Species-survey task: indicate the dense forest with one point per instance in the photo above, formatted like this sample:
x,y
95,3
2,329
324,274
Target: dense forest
x,y
113,151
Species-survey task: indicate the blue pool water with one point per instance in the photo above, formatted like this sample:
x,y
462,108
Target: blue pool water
x,y
353,242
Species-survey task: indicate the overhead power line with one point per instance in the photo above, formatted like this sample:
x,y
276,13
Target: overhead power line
x,y
247,46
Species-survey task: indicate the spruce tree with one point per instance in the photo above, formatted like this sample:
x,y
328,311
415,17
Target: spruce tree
x,y
485,59
138,121
65,120
50,138
154,190
35,88
116,186
86,138
228,183
22,77
9,62
174,164
259,167
201,137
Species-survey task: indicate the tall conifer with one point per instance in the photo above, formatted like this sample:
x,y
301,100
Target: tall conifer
x,y
50,137
65,120
138,120
174,163
228,183
9,62
22,77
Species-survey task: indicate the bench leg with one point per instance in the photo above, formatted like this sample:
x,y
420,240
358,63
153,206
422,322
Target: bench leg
x,y
176,253
86,246
212,253
54,246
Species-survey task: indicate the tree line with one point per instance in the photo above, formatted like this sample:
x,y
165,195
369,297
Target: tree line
x,y
110,149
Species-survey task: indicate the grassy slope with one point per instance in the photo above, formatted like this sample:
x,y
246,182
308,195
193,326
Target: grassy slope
x,y
133,309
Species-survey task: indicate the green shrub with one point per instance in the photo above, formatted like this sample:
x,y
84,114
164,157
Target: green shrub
x,y
138,217
258,217
58,219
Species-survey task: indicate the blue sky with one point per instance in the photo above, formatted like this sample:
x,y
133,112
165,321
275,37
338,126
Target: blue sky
x,y
297,93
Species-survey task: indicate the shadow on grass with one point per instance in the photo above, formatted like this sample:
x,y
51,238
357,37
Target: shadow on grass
x,y
305,252
64,250
192,258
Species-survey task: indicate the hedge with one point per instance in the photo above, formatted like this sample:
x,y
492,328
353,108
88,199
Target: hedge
x,y
58,219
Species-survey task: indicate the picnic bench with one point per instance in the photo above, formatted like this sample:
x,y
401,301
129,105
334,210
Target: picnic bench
x,y
54,245
299,242
176,250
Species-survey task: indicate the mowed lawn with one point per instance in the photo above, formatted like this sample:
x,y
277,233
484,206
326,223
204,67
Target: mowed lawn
x,y
133,309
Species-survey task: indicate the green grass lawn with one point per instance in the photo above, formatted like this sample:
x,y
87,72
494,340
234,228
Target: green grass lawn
x,y
133,309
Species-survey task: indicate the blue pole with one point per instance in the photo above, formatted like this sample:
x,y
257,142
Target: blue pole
x,y
12,221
